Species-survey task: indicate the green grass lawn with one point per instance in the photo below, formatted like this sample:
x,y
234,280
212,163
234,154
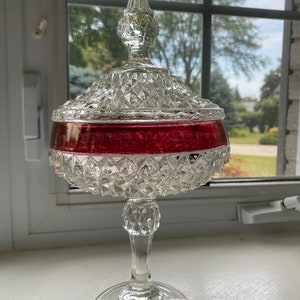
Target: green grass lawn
x,y
250,166
251,139
258,166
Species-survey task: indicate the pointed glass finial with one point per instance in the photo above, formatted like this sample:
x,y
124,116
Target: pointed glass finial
x,y
138,29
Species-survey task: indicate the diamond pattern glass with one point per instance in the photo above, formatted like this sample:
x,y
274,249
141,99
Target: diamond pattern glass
x,y
138,133
139,176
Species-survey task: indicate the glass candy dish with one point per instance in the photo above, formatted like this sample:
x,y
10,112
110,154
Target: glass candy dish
x,y
138,132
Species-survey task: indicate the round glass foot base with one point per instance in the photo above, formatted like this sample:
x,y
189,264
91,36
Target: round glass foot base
x,y
166,292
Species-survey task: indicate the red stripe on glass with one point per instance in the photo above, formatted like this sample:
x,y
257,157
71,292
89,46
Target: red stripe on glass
x,y
137,138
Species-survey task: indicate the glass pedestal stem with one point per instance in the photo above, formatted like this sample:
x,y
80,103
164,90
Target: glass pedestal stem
x,y
141,219
140,247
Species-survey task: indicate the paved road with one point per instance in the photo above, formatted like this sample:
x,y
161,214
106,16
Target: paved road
x,y
258,150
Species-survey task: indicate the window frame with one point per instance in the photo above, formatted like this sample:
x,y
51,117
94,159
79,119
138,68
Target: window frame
x,y
43,212
231,192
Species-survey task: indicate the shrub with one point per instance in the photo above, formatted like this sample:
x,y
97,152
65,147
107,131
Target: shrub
x,y
232,169
251,119
270,138
273,130
238,132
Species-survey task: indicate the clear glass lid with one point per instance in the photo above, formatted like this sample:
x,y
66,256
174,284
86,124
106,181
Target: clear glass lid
x,y
138,91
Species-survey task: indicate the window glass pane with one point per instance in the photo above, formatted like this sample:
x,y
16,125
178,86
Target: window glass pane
x,y
245,81
263,4
245,70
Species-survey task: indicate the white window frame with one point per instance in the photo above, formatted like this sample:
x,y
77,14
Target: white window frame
x,y
36,208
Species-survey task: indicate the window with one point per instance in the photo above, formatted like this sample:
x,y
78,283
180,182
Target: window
x,y
41,210
225,51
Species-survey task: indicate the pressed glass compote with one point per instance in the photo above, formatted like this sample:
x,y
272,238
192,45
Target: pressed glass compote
x,y
138,133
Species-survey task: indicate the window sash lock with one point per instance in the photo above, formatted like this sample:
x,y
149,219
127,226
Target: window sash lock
x,y
284,210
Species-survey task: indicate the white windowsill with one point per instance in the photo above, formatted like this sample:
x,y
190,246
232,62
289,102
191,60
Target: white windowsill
x,y
264,266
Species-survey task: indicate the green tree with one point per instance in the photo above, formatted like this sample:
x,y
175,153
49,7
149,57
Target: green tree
x,y
236,95
271,82
178,47
85,26
179,44
236,40
269,109
222,95
240,107
268,105
93,39
251,119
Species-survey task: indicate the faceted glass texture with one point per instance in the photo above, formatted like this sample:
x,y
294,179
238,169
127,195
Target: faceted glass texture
x,y
139,176
138,92
138,133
